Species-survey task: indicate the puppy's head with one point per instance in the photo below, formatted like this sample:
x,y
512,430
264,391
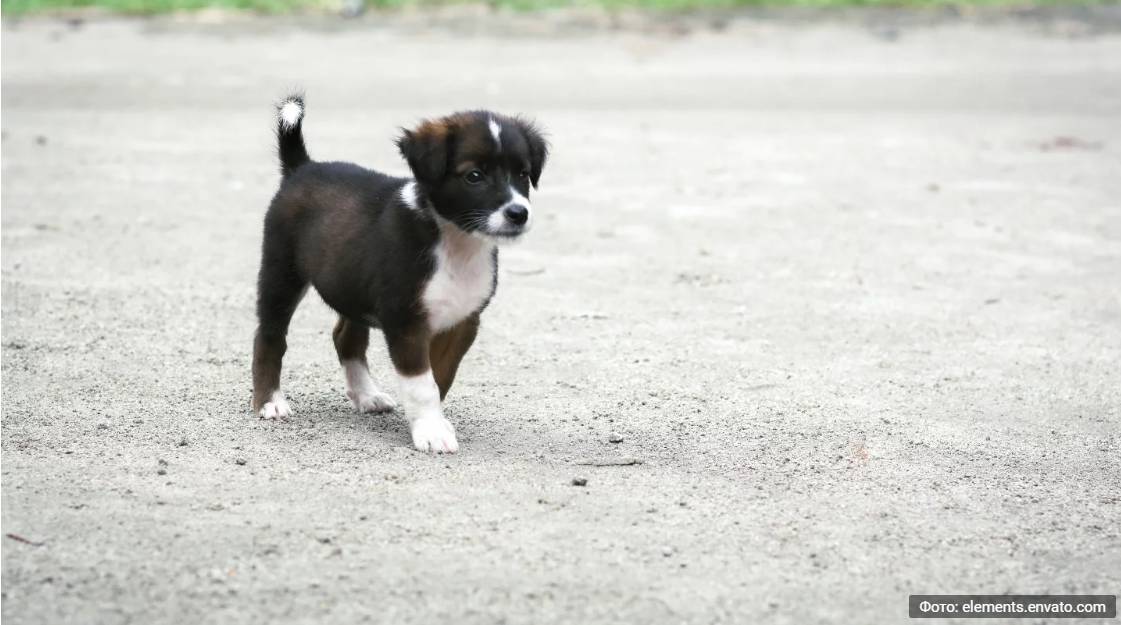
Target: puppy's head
x,y
477,168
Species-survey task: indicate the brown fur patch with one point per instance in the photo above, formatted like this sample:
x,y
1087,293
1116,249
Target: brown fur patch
x,y
432,129
268,354
351,340
408,349
447,350
462,167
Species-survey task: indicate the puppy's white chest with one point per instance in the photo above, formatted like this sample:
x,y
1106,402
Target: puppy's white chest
x,y
462,283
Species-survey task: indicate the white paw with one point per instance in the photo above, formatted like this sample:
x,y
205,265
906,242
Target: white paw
x,y
361,391
371,401
276,408
434,434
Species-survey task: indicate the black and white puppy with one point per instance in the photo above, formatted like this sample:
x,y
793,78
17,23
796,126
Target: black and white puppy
x,y
417,258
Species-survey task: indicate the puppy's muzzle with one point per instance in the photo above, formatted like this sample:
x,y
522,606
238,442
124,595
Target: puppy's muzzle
x,y
510,220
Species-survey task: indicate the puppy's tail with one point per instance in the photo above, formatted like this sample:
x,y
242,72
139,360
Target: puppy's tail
x,y
289,134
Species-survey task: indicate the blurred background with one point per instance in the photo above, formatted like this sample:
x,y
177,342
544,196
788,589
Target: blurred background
x,y
822,301
351,7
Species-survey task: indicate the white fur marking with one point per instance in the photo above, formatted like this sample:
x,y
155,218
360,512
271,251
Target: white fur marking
x,y
463,280
361,391
276,407
495,131
518,198
430,430
496,221
408,195
290,114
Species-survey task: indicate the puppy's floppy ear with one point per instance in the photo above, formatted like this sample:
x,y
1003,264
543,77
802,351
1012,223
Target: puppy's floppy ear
x,y
538,148
426,151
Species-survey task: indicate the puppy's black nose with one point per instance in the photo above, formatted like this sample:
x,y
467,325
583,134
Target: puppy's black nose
x,y
517,214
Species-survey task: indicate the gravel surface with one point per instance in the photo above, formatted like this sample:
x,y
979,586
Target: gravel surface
x,y
824,312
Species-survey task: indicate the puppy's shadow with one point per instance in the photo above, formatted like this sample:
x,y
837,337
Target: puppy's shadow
x,y
332,411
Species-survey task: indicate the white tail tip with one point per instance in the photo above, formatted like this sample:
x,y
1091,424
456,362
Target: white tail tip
x,y
290,114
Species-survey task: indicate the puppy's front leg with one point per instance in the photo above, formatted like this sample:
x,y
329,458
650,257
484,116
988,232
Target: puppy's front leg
x,y
431,431
419,393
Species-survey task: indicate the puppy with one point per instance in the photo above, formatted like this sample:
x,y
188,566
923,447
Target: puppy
x,y
417,258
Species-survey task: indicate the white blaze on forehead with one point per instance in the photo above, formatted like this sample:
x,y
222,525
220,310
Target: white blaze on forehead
x,y
496,131
291,113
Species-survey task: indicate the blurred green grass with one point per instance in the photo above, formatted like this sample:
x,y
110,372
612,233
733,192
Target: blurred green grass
x,y
145,7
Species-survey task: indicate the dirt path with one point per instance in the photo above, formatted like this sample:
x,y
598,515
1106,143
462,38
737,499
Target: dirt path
x,y
851,295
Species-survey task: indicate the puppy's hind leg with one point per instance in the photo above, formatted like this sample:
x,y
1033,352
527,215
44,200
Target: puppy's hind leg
x,y
351,340
279,291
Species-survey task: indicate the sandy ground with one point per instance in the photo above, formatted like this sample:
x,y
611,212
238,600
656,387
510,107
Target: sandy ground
x,y
849,292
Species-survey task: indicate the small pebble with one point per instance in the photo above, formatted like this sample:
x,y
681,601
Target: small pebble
x,y
240,461
161,472
579,481
615,438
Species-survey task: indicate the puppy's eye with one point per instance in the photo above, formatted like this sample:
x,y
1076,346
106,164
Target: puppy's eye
x,y
524,174
474,176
